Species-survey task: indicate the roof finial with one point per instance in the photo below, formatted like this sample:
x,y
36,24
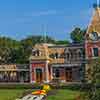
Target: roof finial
x,y
44,36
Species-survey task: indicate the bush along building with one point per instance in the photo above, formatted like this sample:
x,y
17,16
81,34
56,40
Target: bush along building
x,y
67,63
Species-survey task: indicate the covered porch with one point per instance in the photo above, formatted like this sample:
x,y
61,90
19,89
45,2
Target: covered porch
x,y
67,72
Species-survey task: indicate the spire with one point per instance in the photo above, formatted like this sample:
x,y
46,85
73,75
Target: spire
x,y
94,25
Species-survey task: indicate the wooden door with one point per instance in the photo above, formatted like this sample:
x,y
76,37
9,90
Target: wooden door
x,y
39,75
68,75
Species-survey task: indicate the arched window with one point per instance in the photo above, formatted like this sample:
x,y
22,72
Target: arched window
x,y
34,52
52,55
71,55
95,52
68,56
79,54
37,52
56,55
57,73
62,55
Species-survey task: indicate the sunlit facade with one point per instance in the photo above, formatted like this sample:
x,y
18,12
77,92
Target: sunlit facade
x,y
14,73
67,63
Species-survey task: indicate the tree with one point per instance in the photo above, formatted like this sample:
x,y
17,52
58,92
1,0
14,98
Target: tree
x,y
61,42
13,51
28,43
93,93
77,35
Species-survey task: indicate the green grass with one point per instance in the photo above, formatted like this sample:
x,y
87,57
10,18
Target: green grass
x,y
62,94
10,94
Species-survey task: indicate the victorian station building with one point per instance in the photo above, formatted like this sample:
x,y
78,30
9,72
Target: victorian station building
x,y
67,63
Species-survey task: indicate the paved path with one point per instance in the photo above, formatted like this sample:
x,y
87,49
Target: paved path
x,y
33,97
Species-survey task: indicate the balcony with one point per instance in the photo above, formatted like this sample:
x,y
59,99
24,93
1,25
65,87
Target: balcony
x,y
59,60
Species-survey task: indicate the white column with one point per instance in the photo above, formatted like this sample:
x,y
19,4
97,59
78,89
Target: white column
x,y
30,73
47,72
51,70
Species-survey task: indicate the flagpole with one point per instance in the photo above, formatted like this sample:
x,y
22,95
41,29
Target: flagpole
x,y
46,54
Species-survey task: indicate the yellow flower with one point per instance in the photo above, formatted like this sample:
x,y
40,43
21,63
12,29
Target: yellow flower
x,y
46,87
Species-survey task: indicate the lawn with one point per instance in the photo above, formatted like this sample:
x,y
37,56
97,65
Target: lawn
x,y
10,94
62,94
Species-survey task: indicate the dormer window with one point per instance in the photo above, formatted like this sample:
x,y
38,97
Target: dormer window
x,y
36,53
56,55
62,55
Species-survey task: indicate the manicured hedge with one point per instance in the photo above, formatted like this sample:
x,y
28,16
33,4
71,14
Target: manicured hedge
x,y
74,86
20,86
53,86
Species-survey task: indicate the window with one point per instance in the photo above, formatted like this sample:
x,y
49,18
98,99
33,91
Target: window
x,y
56,73
67,56
62,55
33,52
56,55
37,52
95,52
80,55
52,56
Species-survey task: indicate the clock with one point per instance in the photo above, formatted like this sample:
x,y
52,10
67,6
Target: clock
x,y
93,36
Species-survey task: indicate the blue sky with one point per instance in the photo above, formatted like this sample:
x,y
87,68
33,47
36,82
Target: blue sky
x,y
20,18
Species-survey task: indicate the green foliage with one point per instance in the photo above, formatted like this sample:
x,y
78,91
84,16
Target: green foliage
x,y
77,35
64,94
62,42
93,93
6,42
13,51
20,86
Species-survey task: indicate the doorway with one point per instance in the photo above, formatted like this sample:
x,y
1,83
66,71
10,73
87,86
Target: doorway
x,y
68,74
39,75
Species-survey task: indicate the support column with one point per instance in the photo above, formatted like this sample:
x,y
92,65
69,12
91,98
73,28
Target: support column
x,y
30,73
47,72
51,70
